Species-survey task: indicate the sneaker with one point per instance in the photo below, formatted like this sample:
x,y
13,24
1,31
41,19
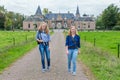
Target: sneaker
x,y
69,70
43,70
48,69
74,73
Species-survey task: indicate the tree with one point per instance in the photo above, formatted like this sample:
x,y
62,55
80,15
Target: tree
x,y
110,16
118,22
50,11
2,20
18,20
45,11
99,23
2,17
8,23
10,20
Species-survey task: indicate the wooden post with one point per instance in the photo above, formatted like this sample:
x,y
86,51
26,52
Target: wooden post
x,y
94,41
85,38
26,38
14,41
118,49
33,36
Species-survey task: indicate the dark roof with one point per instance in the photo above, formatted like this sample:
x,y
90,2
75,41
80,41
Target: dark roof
x,y
32,18
38,12
63,15
84,19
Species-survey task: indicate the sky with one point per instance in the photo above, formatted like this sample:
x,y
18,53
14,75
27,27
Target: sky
x,y
28,7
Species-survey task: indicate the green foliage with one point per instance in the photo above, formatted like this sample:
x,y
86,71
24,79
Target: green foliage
x,y
2,20
110,16
118,22
8,23
99,24
116,27
45,11
10,20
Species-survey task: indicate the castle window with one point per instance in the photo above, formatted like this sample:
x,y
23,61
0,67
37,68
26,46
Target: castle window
x,y
88,26
28,25
35,25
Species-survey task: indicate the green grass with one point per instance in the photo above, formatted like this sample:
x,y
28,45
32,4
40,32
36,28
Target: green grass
x,y
101,59
14,53
22,46
105,40
10,55
6,38
103,65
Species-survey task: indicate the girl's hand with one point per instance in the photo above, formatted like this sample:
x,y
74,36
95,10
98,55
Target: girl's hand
x,y
40,40
67,52
78,51
49,48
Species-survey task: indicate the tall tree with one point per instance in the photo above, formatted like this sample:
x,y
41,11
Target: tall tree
x,y
118,22
8,23
45,11
110,16
2,20
99,24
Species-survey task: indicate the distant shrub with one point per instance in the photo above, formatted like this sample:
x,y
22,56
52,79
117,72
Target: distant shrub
x,y
116,28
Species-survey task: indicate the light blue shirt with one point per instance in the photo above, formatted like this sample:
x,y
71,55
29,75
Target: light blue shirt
x,y
42,35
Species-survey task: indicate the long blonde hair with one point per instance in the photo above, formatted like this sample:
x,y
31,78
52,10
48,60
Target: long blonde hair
x,y
46,27
70,33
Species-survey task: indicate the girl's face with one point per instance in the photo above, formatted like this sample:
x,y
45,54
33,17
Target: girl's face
x,y
73,30
44,26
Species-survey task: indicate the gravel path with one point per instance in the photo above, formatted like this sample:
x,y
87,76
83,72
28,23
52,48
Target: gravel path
x,y
29,66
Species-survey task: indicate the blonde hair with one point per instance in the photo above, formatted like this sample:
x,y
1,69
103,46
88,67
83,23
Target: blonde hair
x,y
46,27
70,33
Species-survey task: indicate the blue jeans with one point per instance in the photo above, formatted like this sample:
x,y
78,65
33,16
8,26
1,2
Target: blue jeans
x,y
44,50
72,57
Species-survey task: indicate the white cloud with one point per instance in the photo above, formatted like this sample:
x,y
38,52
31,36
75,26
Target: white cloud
x,y
28,7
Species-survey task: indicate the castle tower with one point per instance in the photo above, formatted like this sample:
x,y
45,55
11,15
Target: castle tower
x,y
77,12
38,12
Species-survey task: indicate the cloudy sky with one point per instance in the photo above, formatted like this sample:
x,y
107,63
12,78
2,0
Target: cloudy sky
x,y
28,7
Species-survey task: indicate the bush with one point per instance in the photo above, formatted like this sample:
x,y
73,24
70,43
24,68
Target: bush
x,y
116,28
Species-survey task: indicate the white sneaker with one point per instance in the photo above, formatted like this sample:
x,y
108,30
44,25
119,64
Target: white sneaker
x,y
74,73
69,70
48,68
43,70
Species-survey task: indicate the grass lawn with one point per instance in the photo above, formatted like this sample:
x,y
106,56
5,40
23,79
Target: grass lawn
x,y
8,56
6,37
103,65
105,40
14,52
101,59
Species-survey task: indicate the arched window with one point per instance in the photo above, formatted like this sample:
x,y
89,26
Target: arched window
x,y
88,26
28,25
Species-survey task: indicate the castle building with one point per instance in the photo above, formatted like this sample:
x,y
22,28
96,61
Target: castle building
x,y
59,20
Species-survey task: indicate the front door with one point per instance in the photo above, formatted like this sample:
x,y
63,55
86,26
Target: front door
x,y
59,25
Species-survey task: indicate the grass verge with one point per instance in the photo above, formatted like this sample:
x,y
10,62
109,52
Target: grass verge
x,y
103,65
14,53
